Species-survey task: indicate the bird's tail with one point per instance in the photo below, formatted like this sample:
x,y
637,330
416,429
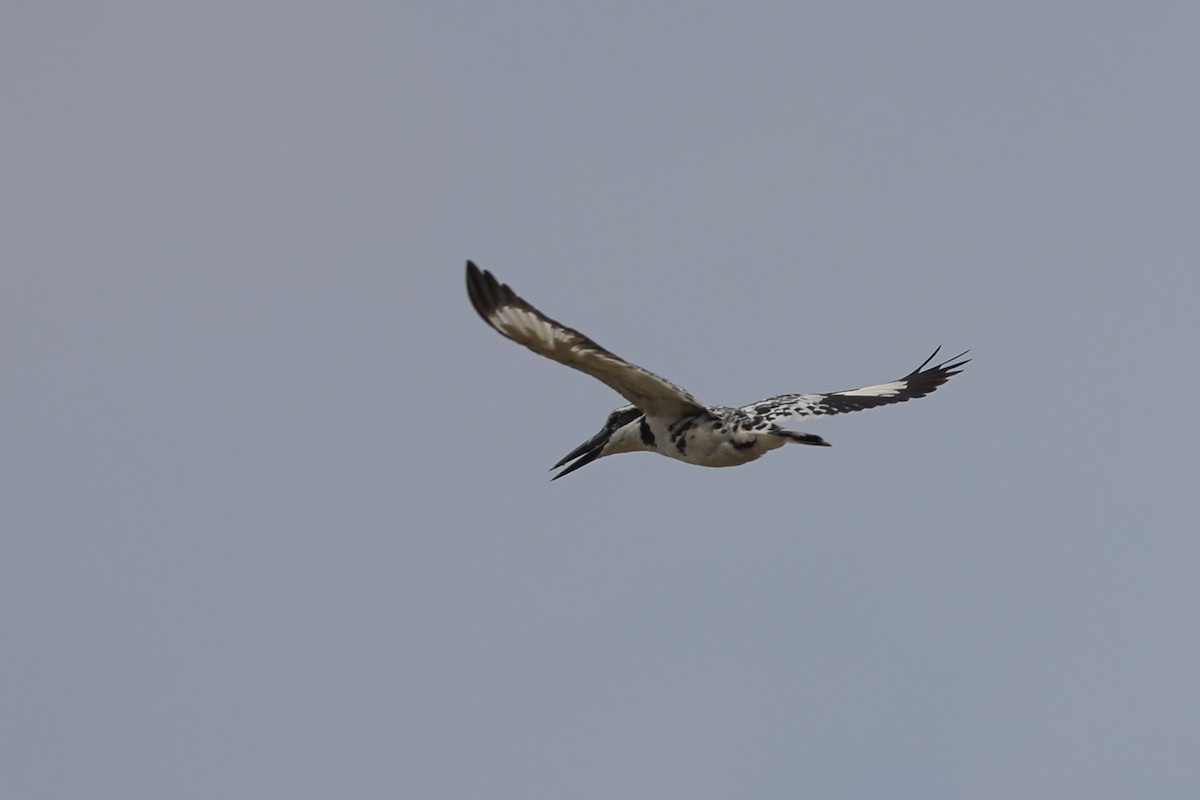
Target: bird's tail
x,y
801,438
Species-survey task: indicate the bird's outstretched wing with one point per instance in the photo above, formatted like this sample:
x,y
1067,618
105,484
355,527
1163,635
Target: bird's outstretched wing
x,y
918,383
501,308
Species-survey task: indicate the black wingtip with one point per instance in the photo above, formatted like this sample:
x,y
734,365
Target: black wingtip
x,y
952,365
925,363
925,379
944,367
475,276
486,293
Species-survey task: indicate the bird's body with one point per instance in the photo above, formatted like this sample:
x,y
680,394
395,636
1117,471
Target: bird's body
x,y
663,418
716,437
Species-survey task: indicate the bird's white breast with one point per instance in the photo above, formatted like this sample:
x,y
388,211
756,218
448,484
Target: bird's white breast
x,y
705,444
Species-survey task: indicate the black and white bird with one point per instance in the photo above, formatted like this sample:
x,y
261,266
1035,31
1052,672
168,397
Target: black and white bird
x,y
665,419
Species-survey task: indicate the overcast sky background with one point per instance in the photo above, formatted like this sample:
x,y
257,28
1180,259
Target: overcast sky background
x,y
276,516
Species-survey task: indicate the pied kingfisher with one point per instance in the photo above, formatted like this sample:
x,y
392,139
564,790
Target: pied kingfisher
x,y
663,418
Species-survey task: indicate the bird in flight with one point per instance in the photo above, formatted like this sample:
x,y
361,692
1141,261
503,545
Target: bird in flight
x,y
663,418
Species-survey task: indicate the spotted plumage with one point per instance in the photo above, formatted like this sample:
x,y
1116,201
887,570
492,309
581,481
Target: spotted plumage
x,y
665,419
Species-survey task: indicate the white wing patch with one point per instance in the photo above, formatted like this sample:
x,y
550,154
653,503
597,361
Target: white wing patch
x,y
518,324
882,390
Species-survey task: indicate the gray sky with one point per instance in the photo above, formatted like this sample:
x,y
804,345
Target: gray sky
x,y
275,509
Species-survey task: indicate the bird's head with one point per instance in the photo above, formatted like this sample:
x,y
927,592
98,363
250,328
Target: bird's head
x,y
620,434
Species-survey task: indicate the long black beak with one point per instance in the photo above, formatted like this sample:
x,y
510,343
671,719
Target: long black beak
x,y
587,452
